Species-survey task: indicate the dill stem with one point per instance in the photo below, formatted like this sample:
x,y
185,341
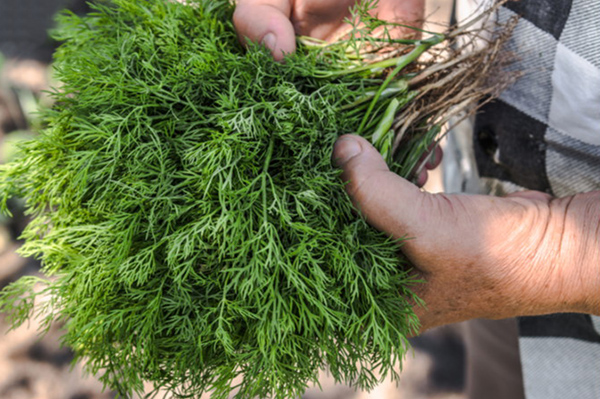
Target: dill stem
x,y
265,174
383,135
395,89
401,63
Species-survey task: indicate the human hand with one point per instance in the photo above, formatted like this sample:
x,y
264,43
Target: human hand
x,y
275,23
482,256
429,161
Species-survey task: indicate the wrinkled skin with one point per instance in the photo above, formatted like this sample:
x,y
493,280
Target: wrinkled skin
x,y
481,256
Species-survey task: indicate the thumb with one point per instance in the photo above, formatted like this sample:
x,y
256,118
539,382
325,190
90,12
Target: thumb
x,y
266,22
388,202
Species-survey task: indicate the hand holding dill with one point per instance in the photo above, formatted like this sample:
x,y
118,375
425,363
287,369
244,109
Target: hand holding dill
x,y
276,23
185,204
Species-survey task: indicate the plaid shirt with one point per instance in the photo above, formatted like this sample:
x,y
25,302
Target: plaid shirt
x,y
544,134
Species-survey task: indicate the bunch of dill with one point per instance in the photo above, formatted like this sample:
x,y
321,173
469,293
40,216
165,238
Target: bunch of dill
x,y
187,213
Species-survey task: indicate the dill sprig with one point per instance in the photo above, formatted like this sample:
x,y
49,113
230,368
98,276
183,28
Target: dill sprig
x,y
187,213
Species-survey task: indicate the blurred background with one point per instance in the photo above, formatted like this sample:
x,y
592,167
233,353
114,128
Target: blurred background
x,y
40,368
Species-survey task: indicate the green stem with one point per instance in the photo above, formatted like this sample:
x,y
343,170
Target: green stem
x,y
393,90
383,136
312,42
265,174
386,121
422,45
401,63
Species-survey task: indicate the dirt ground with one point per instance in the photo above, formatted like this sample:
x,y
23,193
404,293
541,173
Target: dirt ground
x,y
40,368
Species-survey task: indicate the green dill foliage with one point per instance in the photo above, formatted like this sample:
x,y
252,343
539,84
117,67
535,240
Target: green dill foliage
x,y
185,205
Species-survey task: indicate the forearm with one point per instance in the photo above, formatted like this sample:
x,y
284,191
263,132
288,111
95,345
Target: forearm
x,y
573,239
549,255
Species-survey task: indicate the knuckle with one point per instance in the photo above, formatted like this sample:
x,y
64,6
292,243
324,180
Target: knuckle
x,y
239,15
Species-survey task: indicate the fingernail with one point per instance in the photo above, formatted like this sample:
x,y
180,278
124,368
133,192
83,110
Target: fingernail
x,y
345,149
269,40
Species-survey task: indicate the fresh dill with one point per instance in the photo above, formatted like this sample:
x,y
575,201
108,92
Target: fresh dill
x,y
185,206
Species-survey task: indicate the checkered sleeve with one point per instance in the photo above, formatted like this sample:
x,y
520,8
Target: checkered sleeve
x,y
544,134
